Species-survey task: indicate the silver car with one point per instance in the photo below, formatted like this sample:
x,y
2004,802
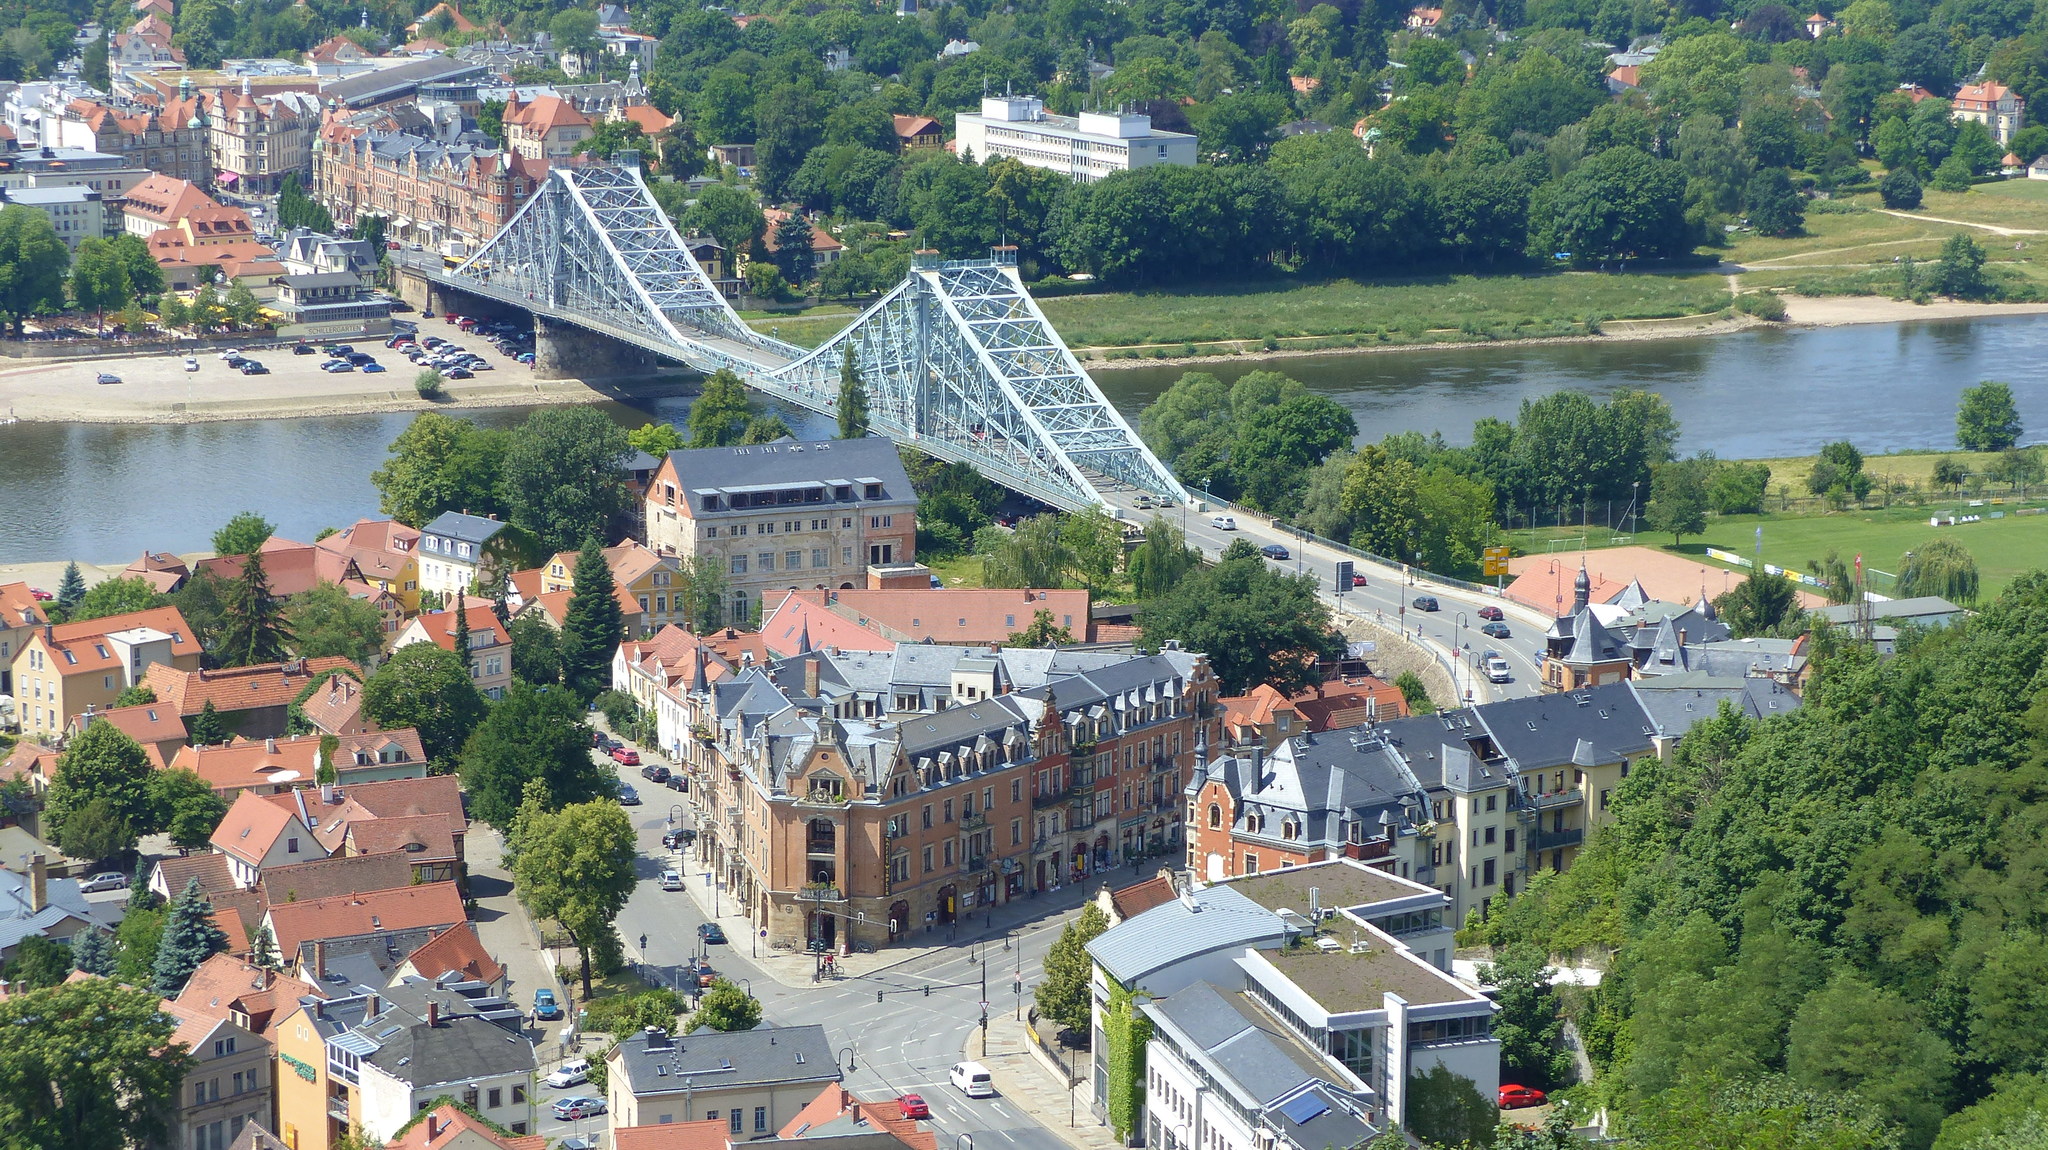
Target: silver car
x,y
105,880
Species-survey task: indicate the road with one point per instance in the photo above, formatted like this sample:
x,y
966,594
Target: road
x,y
1387,598
902,1044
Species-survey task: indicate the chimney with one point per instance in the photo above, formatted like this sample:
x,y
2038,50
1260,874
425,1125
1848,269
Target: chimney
x,y
270,746
433,1127
1681,636
38,883
811,677
433,1019
320,960
375,1007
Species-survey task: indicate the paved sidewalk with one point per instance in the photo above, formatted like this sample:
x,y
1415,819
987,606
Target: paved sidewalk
x,y
509,933
1024,1075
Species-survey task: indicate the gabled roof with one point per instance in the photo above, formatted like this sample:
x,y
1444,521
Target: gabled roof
x,y
336,707
1541,732
249,763
457,950
210,868
146,723
438,627
252,826
327,877
225,986
423,838
1140,897
545,114
76,648
19,607
451,1127
463,528
434,904
229,689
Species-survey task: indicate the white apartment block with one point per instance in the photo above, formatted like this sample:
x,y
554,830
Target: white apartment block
x,y
1083,148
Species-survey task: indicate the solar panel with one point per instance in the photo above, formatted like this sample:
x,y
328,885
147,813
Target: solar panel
x,y
1303,1108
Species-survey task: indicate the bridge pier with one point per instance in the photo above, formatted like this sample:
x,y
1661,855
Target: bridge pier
x,y
565,351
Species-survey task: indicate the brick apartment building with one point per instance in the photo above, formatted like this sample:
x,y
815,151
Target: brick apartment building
x,y
429,192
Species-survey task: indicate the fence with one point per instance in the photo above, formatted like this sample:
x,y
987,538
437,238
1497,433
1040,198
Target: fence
x,y
1069,1062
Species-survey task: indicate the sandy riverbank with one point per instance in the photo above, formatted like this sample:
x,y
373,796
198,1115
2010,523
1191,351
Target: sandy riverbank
x,y
1844,310
158,389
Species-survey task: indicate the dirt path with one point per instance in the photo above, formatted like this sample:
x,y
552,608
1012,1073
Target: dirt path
x,y
1994,229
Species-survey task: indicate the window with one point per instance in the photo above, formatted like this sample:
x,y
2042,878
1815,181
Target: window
x,y
1492,802
1511,840
518,1095
927,816
1604,796
739,565
291,845
711,1116
1489,834
760,1119
1016,790
949,810
1016,832
846,554
738,1120
792,560
1251,863
1486,869
1215,816
927,860
495,1098
469,1098
818,557
767,559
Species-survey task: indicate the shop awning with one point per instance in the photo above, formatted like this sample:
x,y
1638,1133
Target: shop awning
x,y
228,177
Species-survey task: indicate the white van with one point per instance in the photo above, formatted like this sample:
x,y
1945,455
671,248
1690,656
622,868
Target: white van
x,y
574,1072
972,1079
1497,670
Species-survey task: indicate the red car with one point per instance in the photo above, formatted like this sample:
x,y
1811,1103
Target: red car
x,y
706,976
626,756
1491,613
1514,1097
914,1106
1357,580
41,596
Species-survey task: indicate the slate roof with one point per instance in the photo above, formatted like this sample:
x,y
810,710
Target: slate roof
x,y
391,83
1545,731
1221,919
464,528
1326,779
766,1056
788,462
1674,703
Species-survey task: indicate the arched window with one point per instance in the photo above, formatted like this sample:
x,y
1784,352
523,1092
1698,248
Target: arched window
x,y
1215,816
1290,830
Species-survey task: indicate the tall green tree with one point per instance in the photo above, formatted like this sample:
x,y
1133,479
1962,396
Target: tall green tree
x,y
93,952
1162,560
1757,604
115,597
99,279
429,689
1063,994
207,728
1256,624
731,216
97,831
253,627
187,808
852,409
327,620
1854,1038
1987,418
1959,273
88,1065
725,1007
593,625
1530,1026
102,763
656,439
1941,566
440,463
190,938
36,261
575,865
38,962
719,414
1678,498
71,589
539,648
529,735
564,475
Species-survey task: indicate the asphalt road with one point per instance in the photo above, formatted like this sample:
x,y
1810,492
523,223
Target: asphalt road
x,y
903,1044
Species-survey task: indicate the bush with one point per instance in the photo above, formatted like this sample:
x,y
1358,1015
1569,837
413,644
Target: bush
x,y
1900,189
620,709
428,384
1763,305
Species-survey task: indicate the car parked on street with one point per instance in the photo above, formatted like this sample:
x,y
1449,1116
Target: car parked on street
x,y
545,1006
628,797
105,880
654,773
574,1072
625,756
1491,612
678,839
671,880
1496,631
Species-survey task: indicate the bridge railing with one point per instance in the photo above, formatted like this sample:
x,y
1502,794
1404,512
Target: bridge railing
x,y
1304,534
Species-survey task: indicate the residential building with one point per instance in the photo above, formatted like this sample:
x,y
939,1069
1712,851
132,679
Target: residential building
x,y
825,247
35,904
276,766
163,571
335,299
21,615
1997,107
288,566
953,615
256,140
456,951
256,834
229,1085
753,1080
553,607
546,129
385,551
250,701
75,213
775,516
462,554
62,670
647,579
447,1127
848,795
430,193
165,136
162,203
295,926
490,644
918,133
1082,148
157,727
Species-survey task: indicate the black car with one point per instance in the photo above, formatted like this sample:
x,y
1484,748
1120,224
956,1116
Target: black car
x,y
1425,603
1495,630
1275,551
251,367
676,839
711,933
303,349
679,783
654,774
598,740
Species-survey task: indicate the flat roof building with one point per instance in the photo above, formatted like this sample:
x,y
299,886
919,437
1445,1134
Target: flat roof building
x,y
1083,148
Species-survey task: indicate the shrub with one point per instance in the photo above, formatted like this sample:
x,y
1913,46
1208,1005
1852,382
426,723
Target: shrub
x,y
428,384
1900,189
1763,305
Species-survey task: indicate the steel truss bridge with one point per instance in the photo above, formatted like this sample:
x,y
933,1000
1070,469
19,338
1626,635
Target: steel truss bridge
x,y
957,360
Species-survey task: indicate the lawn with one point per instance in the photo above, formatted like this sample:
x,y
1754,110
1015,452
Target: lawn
x,y
2007,203
1852,238
1409,310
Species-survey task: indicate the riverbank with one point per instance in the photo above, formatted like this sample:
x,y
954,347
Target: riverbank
x,y
158,390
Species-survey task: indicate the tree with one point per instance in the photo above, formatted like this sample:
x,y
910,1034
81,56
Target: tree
x,y
1960,271
1530,1026
1738,488
1949,473
428,384
88,1065
1987,419
115,597
190,938
429,689
1162,560
1759,1112
92,951
1854,1038
71,589
439,463
539,646
1774,207
1044,631
242,535
1256,624
564,475
1620,204
795,254
529,734
656,439
1445,1107
102,763
99,279
575,864
1063,994
731,216
765,428
327,620
1414,693
1757,605
1678,498
725,1007
96,831
719,415
206,728
263,949
852,409
35,259
38,962
145,275
241,305
253,628
1942,567
611,137
593,625
187,808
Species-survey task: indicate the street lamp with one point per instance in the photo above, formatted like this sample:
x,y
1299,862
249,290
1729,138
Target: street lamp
x,y
1458,645
747,984
847,1053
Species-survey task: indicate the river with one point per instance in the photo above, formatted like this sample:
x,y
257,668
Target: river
x,y
104,492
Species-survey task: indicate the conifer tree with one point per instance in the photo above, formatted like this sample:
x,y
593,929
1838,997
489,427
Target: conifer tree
x,y
206,729
263,949
252,626
461,636
92,951
190,938
71,589
853,400
594,625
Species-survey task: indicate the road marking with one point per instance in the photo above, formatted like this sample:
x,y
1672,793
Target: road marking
x,y
997,1107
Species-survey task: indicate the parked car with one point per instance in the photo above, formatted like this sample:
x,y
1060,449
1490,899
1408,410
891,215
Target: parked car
x,y
480,365
628,797
678,839
1513,1097
372,367
654,773
1495,631
525,357
574,1072
191,364
1425,603
711,933
1223,522
108,377
972,1079
1491,612
230,353
626,756
671,880
1497,670
1275,551
336,366
458,373
571,1108
598,740
303,349
40,595
545,1006
251,367
105,880
914,1106
678,783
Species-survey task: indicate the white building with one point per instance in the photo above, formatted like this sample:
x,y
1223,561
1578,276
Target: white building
x,y
74,212
1085,147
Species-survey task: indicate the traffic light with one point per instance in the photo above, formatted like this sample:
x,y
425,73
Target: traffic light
x,y
878,998
927,992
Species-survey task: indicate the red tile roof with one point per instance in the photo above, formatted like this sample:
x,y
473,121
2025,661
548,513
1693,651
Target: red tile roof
x,y
146,723
327,877
439,626
237,688
89,656
784,625
951,615
1141,897
710,1135
379,547
19,608
649,118
882,1117
252,826
422,838
458,949
444,1125
345,916
337,707
228,987
248,763
288,567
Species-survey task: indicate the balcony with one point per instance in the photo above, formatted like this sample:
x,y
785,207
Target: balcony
x,y
337,1109
974,865
1550,840
822,799
1048,799
821,845
973,822
820,892
1552,800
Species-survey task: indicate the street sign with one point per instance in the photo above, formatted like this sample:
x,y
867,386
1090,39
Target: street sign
x,y
1496,561
1343,575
